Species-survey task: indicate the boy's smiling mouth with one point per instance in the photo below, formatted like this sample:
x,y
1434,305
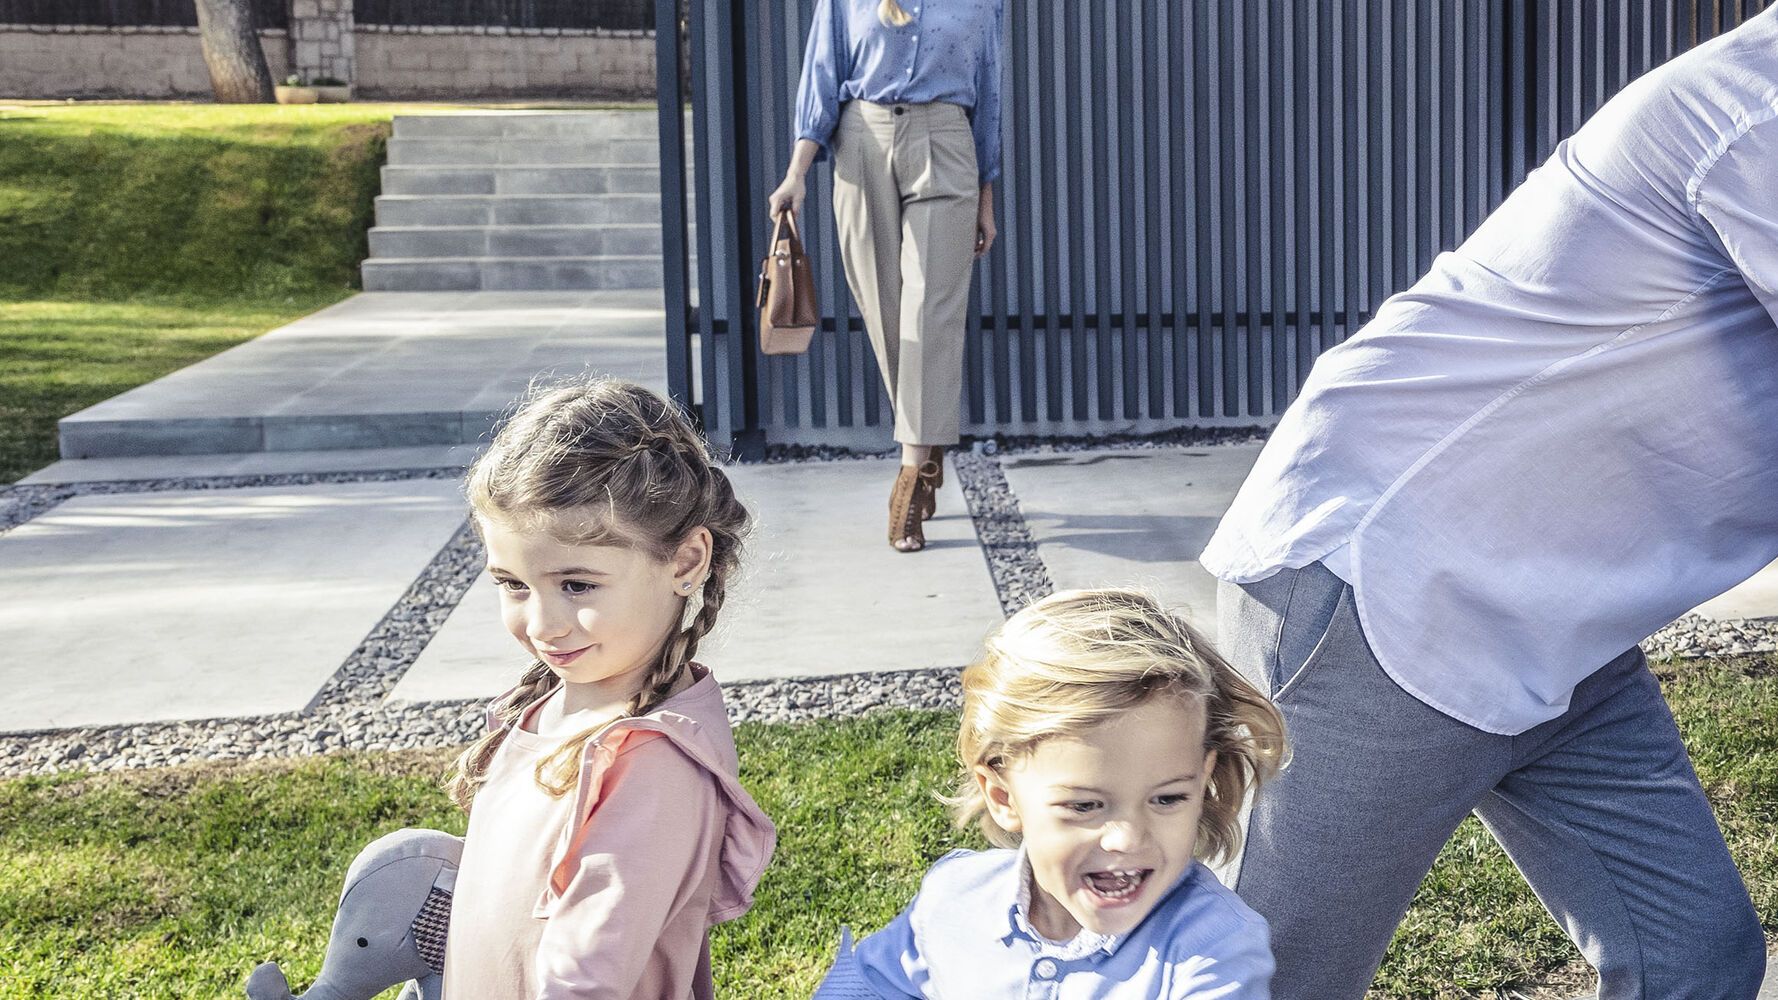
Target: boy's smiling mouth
x,y
1117,885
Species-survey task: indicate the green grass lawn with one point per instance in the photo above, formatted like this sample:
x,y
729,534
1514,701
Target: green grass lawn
x,y
139,238
174,883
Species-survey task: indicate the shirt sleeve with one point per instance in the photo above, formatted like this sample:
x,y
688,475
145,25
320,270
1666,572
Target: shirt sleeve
x,y
1738,199
649,849
985,118
888,962
825,67
1235,966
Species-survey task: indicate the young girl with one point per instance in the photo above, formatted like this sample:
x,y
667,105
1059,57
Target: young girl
x,y
1106,748
608,831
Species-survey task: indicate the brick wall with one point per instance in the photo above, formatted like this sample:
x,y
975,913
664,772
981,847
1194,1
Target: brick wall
x,y
441,63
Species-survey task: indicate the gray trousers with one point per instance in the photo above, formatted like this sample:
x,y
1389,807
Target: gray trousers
x,y
905,195
1599,809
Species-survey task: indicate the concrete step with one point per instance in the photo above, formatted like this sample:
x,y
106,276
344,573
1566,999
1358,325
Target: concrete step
x,y
518,210
526,179
523,150
529,124
631,239
462,274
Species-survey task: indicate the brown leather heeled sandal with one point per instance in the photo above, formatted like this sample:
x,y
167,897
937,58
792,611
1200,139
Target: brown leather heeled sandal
x,y
935,481
911,495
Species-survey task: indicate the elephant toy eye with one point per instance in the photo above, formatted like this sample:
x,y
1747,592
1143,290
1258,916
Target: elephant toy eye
x,y
363,943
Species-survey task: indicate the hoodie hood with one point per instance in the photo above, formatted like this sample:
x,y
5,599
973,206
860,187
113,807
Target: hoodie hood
x,y
696,720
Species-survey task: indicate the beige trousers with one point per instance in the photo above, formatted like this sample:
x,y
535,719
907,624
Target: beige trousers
x,y
905,194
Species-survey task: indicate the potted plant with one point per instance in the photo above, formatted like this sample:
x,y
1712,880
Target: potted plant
x,y
322,89
332,90
294,91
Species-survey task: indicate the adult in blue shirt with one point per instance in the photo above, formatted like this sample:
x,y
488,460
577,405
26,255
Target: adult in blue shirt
x,y
904,95
1556,442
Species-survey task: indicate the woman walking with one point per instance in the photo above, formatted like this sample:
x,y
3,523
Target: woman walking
x,y
905,97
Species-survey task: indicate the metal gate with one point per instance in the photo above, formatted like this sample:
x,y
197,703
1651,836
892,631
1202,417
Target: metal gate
x,y
1198,197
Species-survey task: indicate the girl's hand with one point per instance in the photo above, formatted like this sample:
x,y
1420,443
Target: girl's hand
x,y
984,224
788,194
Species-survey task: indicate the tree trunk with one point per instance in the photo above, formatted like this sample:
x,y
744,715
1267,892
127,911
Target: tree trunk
x,y
238,72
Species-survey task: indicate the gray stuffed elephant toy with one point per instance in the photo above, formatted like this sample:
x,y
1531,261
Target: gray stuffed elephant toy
x,y
390,927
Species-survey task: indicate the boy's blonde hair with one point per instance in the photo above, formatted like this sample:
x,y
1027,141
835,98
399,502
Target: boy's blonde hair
x,y
599,461
1082,658
893,14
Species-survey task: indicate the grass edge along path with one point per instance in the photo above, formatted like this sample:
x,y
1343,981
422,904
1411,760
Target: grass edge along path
x,y
175,882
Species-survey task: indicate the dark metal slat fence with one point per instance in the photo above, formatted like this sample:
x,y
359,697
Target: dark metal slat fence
x,y
1197,198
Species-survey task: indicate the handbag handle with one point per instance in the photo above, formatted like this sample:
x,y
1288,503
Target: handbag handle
x,y
778,221
785,217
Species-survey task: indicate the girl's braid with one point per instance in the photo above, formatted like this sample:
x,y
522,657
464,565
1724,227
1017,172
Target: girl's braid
x,y
471,767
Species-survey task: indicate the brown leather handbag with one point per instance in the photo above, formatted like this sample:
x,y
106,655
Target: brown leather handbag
x,y
786,299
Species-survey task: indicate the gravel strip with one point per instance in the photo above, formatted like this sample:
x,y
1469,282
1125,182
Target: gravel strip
x,y
22,503
1019,574
1692,637
373,669
435,724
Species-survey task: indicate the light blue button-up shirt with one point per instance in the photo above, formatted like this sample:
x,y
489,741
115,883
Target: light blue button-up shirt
x,y
950,52
967,935
1561,438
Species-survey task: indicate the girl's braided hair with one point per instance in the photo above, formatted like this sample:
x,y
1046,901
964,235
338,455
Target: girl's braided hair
x,y
600,461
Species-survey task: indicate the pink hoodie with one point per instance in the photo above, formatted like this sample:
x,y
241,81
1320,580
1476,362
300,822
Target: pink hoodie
x,y
619,904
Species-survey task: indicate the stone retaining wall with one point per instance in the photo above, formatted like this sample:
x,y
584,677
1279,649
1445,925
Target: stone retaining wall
x,y
437,62
74,61
431,63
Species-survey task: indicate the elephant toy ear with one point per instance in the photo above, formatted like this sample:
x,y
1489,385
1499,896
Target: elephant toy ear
x,y
267,982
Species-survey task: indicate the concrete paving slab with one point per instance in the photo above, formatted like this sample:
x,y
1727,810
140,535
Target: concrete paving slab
x,y
1754,598
822,592
1142,516
1134,517
202,604
382,369
253,463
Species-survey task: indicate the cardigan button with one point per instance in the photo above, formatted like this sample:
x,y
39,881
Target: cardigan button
x,y
1046,969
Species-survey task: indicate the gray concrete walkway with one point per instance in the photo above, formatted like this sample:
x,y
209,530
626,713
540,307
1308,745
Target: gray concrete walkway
x,y
243,592
380,370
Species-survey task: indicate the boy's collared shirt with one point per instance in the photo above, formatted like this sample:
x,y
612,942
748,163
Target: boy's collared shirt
x,y
967,934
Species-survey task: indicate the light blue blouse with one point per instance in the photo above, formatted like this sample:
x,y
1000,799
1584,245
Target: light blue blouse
x,y
949,52
967,935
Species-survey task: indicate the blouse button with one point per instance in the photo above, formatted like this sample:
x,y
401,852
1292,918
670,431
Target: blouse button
x,y
1046,969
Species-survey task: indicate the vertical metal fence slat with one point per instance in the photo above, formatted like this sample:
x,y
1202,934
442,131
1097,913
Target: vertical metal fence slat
x,y
1225,355
1182,170
1207,207
1128,149
1052,146
1025,134
1096,131
1331,125
1287,322
671,124
1243,307
1074,134
1153,188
